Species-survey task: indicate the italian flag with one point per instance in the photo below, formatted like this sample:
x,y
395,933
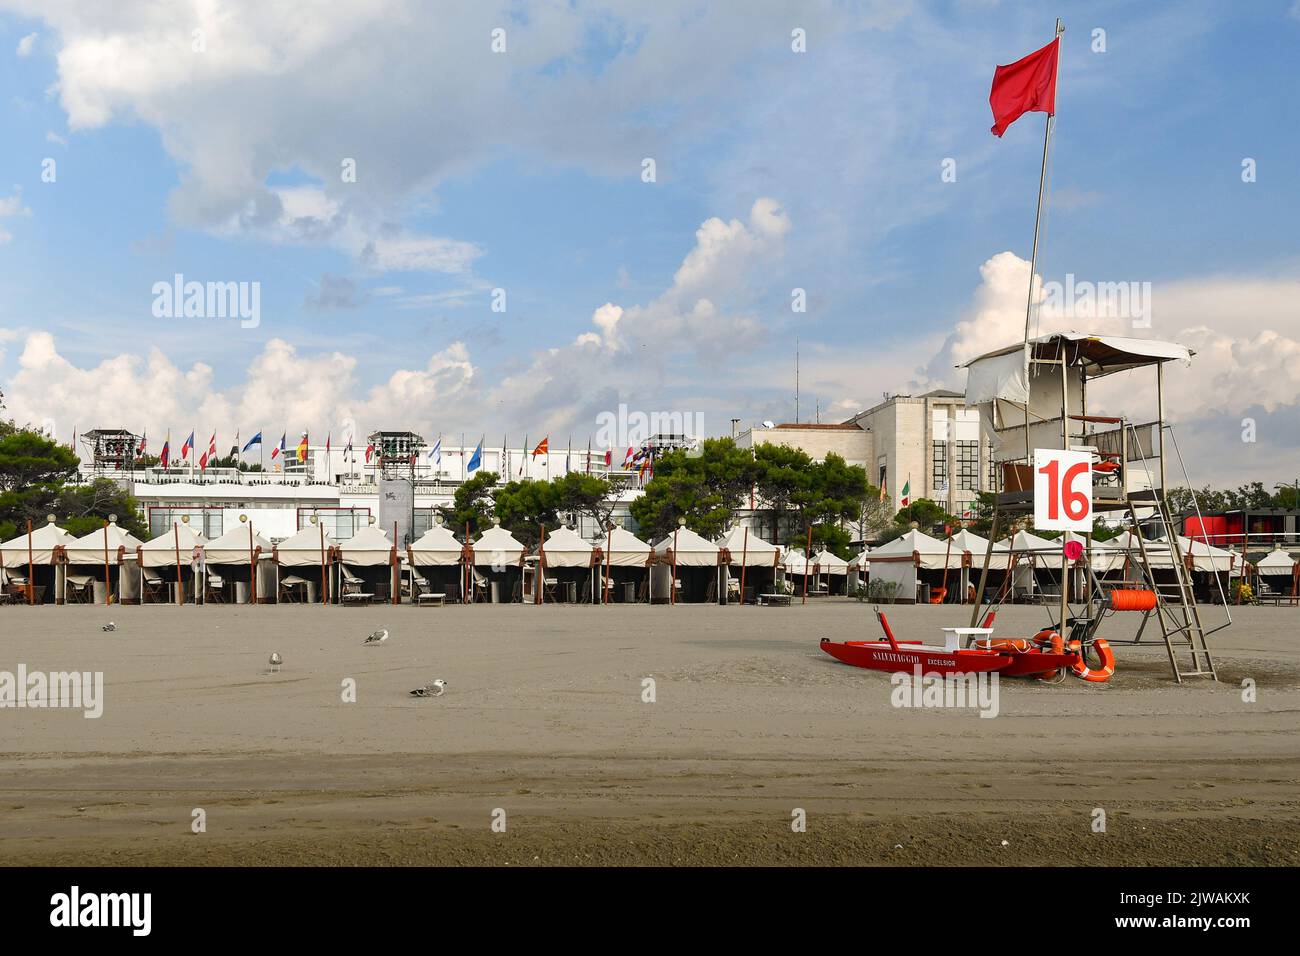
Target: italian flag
x,y
907,491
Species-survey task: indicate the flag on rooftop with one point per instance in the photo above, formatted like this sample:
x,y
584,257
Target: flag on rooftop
x,y
477,458
302,448
543,447
436,451
280,449
186,446
166,455
255,440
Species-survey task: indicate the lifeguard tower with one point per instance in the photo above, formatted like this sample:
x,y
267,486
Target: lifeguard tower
x,y
1034,395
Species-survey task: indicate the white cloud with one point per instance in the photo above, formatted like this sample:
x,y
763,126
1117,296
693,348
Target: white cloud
x,y
11,206
26,45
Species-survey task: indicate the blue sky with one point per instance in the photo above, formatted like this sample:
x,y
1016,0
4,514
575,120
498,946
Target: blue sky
x,y
522,171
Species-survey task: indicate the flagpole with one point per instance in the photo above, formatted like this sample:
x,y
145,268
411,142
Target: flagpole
x,y
1033,255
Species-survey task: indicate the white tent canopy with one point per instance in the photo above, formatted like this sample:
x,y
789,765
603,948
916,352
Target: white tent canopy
x,y
89,548
162,551
497,546
234,546
369,547
861,561
932,553
44,540
436,547
564,548
1277,561
825,562
623,549
309,547
795,562
746,547
690,550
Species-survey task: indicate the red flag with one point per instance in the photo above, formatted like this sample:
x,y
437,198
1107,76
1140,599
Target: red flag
x,y
1026,86
543,447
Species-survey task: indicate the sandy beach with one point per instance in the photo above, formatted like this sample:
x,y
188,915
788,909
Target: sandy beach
x,y
544,719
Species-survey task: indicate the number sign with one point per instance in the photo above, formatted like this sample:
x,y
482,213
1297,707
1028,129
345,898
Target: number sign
x,y
1062,490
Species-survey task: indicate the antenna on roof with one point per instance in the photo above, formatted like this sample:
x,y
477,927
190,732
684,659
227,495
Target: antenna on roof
x,y
796,380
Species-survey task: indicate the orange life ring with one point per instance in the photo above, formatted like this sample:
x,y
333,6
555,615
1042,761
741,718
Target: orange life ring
x,y
1080,668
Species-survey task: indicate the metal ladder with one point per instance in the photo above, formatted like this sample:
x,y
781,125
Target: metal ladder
x,y
1177,613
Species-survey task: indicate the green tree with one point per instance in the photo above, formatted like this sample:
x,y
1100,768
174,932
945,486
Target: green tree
x,y
85,508
783,479
588,495
33,469
523,507
706,487
471,505
929,516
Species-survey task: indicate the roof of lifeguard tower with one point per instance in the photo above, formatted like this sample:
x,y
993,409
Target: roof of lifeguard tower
x,y
1100,354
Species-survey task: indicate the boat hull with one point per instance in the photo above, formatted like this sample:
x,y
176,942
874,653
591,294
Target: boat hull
x,y
879,656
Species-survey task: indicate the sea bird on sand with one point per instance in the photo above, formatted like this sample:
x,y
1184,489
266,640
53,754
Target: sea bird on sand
x,y
378,637
276,661
110,626
430,690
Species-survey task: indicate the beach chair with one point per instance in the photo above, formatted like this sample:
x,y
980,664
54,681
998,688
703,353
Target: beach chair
x,y
479,590
153,589
354,587
214,591
293,590
550,590
79,589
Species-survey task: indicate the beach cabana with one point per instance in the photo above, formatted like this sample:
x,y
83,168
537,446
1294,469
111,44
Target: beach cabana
x,y
904,563
831,572
96,567
302,566
1277,574
1036,564
688,569
752,564
167,559
436,560
368,563
32,563
626,560
567,567
228,567
497,566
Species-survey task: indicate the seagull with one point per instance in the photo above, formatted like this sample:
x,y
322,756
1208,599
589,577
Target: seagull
x,y
378,637
276,661
430,690
110,626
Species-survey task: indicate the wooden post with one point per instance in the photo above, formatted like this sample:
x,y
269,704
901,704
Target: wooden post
x,y
31,567
744,556
467,573
609,546
539,576
180,581
807,559
672,592
252,567
324,584
395,574
108,589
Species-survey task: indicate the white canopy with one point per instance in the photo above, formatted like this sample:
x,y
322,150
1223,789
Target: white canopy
x,y
1205,557
691,550
795,562
861,561
89,548
623,549
369,547
44,540
967,541
233,547
930,551
564,548
309,547
1277,561
161,551
825,562
1001,374
497,546
749,549
437,546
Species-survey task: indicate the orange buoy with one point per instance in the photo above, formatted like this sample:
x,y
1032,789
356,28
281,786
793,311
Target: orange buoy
x,y
1099,675
1132,599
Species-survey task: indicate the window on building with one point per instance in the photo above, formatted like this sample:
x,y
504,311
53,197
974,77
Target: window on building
x,y
968,465
939,464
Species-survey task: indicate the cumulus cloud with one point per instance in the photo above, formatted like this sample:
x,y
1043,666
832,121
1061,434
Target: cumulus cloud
x,y
11,206
26,45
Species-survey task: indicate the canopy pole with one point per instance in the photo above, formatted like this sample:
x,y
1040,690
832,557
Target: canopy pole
x,y
807,560
31,566
108,594
180,581
744,559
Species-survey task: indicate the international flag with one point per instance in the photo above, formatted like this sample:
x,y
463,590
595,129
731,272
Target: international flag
x,y
1026,86
234,449
435,452
523,457
907,491
477,458
302,448
144,443
279,450
327,444
186,446
347,449
166,455
543,447
255,440
370,450
609,457
628,458
210,453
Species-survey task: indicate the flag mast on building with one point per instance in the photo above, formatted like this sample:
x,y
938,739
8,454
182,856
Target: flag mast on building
x,y
1029,86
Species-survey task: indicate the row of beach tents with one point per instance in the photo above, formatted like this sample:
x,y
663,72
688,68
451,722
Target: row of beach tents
x,y
48,565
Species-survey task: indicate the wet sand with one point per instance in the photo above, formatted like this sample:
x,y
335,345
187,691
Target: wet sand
x,y
544,719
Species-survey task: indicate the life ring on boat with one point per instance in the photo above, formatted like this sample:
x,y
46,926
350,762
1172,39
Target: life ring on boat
x,y
1095,675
